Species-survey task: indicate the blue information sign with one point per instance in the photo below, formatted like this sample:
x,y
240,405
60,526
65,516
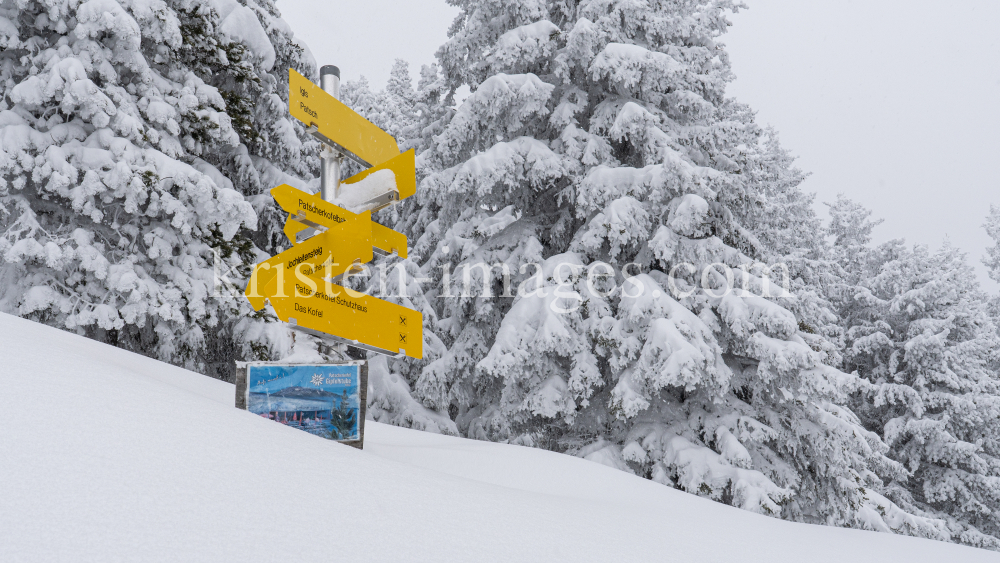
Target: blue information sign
x,y
321,399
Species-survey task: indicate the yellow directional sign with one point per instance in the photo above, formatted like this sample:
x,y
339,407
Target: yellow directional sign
x,y
300,282
324,256
384,240
355,317
309,210
403,166
338,125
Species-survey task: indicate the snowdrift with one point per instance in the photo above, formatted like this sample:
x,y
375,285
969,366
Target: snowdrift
x,y
110,456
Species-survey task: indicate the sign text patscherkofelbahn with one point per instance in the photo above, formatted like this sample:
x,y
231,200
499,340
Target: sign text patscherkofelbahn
x,y
302,284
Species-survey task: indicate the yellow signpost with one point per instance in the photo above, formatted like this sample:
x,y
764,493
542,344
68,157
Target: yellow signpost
x,y
361,320
338,125
310,211
301,283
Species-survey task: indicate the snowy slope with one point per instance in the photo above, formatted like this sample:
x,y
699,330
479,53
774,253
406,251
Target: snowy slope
x,y
109,456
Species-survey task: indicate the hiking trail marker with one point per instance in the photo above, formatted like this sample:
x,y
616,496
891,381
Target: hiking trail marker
x,y
337,125
305,284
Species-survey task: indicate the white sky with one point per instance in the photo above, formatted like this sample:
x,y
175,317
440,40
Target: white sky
x,y
366,37
895,103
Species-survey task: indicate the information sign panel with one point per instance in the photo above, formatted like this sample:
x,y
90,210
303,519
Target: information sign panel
x,y
321,399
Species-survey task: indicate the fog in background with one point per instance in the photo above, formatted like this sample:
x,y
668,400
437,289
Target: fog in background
x,y
365,38
894,103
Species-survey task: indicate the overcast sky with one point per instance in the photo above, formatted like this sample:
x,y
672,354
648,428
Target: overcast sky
x,y
895,103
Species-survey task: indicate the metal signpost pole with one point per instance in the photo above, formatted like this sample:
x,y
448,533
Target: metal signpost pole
x,y
329,81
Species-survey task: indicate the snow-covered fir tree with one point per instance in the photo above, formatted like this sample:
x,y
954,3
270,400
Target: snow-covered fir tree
x,y
918,328
597,139
992,258
137,141
992,261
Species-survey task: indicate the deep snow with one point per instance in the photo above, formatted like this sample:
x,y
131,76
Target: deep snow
x,y
110,456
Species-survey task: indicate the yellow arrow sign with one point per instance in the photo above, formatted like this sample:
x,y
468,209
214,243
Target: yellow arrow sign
x,y
358,318
384,240
338,125
309,210
326,255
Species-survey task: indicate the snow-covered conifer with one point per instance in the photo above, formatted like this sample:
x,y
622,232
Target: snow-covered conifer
x,y
921,333
588,218
992,259
133,134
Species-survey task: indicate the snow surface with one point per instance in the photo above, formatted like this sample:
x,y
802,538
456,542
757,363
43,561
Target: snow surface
x,y
110,456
